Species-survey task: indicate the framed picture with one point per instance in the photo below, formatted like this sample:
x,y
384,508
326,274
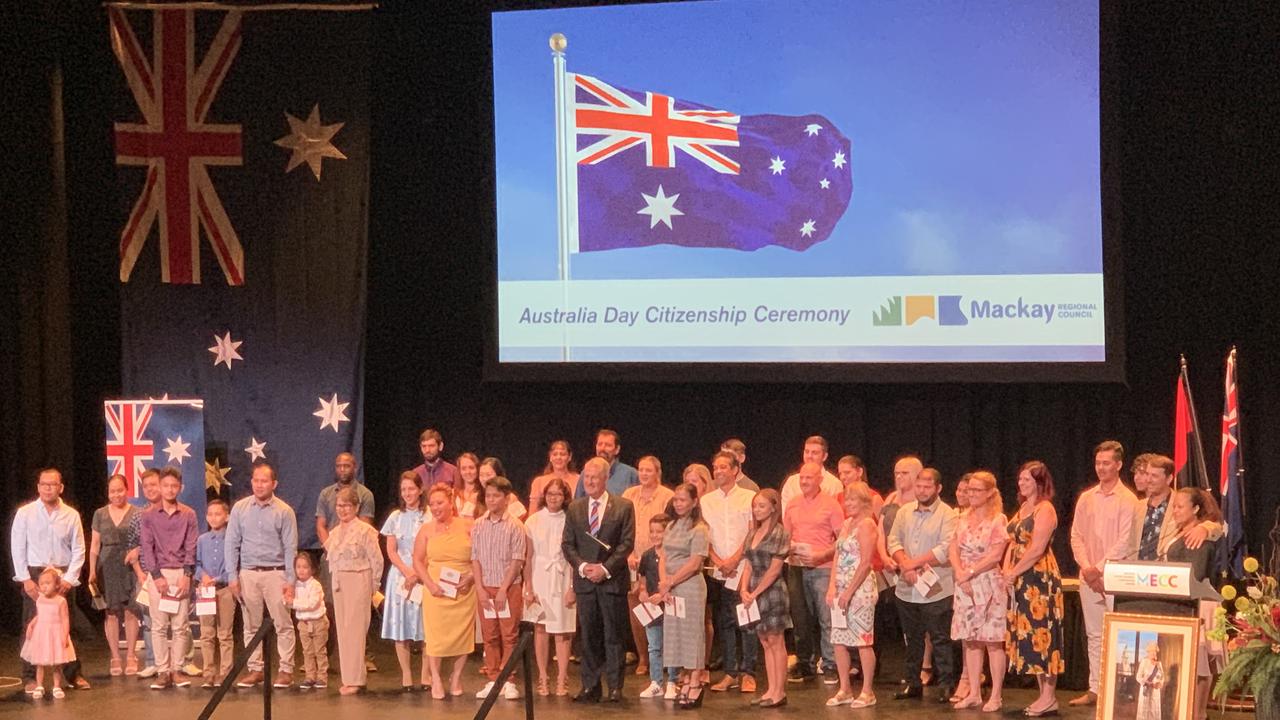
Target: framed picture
x,y
1148,667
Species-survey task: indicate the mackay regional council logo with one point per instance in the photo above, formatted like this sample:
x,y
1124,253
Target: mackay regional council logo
x,y
948,310
907,309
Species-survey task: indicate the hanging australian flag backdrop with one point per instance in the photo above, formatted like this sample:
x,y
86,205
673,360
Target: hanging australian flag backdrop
x,y
150,433
700,176
242,145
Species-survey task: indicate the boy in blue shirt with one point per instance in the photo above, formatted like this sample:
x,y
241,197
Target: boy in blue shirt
x,y
211,578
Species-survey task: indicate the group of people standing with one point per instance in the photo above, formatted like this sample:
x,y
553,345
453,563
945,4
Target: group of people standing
x,y
711,559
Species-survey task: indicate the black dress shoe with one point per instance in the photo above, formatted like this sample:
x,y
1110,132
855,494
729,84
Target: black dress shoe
x,y
613,696
908,693
586,696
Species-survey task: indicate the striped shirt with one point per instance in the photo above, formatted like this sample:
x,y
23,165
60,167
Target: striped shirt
x,y
495,542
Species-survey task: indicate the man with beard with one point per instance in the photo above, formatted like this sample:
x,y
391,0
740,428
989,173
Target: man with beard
x,y
621,475
434,468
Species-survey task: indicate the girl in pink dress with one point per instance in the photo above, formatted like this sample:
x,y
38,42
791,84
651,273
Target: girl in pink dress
x,y
48,642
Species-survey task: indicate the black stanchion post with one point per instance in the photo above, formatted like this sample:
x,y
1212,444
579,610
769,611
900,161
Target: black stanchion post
x,y
237,667
520,654
267,679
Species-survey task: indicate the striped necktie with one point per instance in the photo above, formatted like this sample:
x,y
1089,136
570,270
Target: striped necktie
x,y
593,522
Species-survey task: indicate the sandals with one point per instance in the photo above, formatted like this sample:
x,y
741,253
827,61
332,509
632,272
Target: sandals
x,y
542,688
840,699
58,693
131,666
863,700
116,670
1047,711
970,701
993,705
37,694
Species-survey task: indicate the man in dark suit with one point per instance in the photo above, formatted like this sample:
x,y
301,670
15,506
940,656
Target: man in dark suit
x,y
599,533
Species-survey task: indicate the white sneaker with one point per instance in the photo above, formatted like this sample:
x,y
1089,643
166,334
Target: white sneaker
x,y
672,693
654,690
148,672
510,692
484,691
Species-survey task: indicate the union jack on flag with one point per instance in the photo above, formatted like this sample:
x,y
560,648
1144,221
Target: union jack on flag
x,y
625,122
176,144
144,434
1234,546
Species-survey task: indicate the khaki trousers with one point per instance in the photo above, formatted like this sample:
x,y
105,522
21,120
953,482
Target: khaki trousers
x,y
170,633
262,593
352,609
313,635
217,644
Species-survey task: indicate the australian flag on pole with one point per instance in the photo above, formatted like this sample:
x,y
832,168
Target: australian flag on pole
x,y
242,140
652,169
151,433
1233,548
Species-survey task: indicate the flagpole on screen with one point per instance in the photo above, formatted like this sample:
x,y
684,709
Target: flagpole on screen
x,y
564,166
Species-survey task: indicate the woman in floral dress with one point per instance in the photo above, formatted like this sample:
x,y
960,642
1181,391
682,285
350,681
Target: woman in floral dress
x,y
980,603
1031,575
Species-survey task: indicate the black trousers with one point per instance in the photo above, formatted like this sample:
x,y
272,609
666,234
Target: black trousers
x,y
71,670
933,618
603,628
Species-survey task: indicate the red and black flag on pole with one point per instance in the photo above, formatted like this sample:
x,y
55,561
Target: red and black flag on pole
x,y
1188,451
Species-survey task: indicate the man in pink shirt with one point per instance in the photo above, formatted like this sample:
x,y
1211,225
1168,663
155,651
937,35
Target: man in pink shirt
x,y
813,520
1100,532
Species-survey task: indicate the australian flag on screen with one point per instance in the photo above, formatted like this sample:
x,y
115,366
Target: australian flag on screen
x,y
652,169
150,433
242,145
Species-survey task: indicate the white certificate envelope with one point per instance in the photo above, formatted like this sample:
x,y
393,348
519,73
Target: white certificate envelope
x,y
646,613
168,605
449,591
634,576
450,575
923,586
748,614
680,607
404,594
669,608
144,599
505,612
733,582
489,613
839,621
208,591
415,595
929,574
206,607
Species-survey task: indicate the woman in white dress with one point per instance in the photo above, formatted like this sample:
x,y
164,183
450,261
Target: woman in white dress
x,y
1150,679
550,585
401,617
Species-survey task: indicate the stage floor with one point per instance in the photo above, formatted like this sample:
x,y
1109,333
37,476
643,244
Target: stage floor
x,y
128,698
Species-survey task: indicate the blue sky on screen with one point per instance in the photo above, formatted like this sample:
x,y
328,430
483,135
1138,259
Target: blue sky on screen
x,y
974,128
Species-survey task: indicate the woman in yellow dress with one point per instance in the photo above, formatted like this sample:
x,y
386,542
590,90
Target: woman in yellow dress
x,y
443,547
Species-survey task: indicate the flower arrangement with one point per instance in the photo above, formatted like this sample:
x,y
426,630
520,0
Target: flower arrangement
x,y
1251,631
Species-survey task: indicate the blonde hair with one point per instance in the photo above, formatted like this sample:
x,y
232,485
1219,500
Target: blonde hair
x,y
702,472
984,480
859,491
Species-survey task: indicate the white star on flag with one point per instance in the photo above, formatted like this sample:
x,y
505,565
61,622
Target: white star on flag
x,y
331,413
777,165
176,450
838,160
825,183
660,208
310,142
257,449
224,350
812,129
807,229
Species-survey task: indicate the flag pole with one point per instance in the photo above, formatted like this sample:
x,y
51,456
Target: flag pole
x,y
1244,513
564,166
1196,452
